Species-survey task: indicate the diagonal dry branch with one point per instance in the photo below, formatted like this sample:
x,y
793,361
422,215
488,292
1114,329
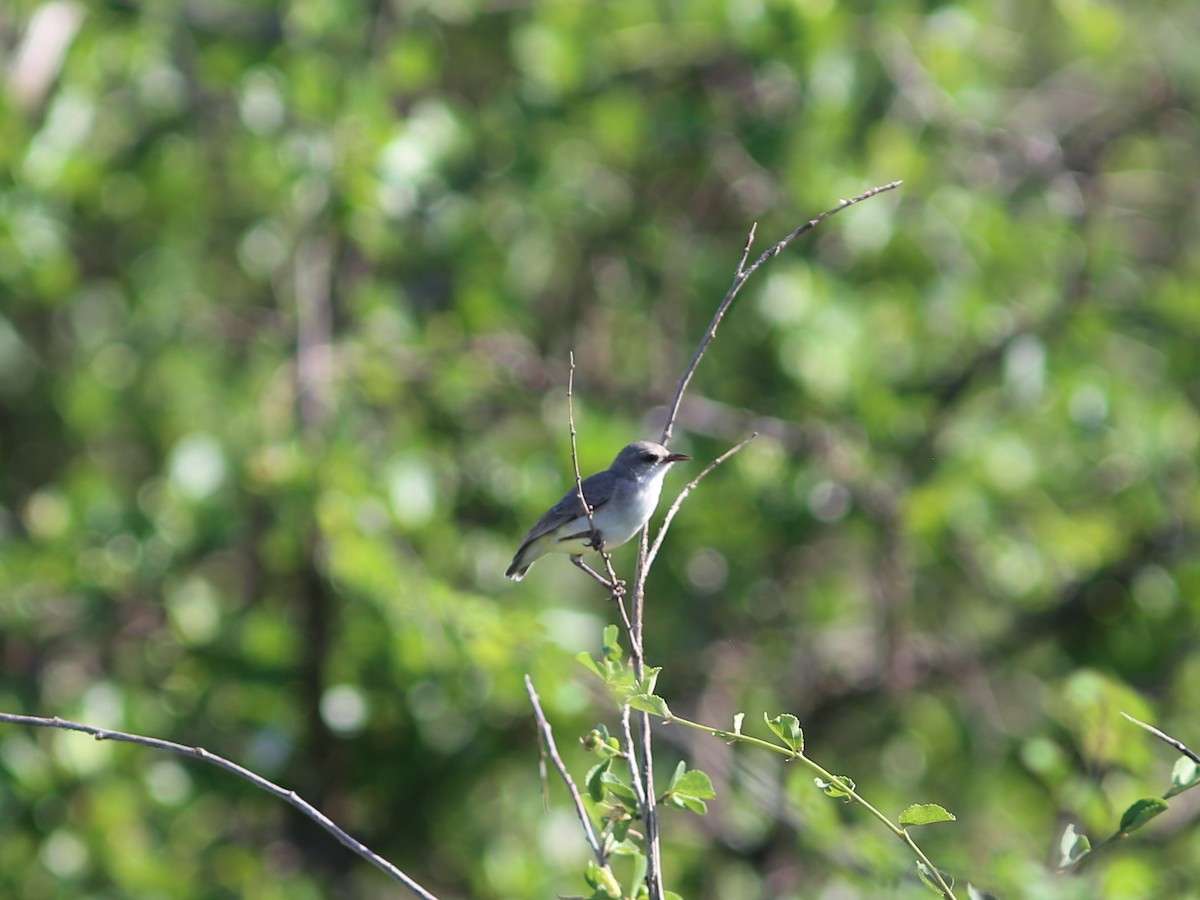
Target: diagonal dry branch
x,y
551,749
652,554
1166,738
739,278
105,734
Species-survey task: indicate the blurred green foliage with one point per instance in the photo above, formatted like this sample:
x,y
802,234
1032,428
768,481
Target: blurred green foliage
x,y
286,297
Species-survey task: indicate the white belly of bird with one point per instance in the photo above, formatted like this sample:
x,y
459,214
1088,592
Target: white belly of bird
x,y
616,521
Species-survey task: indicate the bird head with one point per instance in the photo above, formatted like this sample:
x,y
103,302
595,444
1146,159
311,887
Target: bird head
x,y
643,459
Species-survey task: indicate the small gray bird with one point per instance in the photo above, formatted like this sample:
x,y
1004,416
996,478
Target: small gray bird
x,y
622,497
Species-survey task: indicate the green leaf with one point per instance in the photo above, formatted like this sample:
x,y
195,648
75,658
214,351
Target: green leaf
x,y
626,848
689,790
610,668
925,814
930,881
612,644
602,879
839,788
1072,847
650,703
680,769
585,659
695,783
1185,774
699,807
618,788
620,828
1141,812
649,679
640,866
594,781
787,728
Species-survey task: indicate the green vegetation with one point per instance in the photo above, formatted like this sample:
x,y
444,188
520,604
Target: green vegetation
x,y
287,293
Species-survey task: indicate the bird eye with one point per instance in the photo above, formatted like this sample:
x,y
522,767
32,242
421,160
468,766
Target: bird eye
x,y
649,457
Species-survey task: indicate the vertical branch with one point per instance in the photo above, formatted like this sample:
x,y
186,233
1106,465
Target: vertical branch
x,y
646,556
643,780
312,294
654,879
37,61
314,326
635,774
641,771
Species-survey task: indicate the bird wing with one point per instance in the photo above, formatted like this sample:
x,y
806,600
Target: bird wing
x,y
598,489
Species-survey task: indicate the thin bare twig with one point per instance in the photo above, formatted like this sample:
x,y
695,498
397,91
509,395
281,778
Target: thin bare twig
x,y
654,876
643,781
613,584
1166,738
654,873
691,485
635,775
591,573
587,507
739,278
105,734
597,542
746,250
552,751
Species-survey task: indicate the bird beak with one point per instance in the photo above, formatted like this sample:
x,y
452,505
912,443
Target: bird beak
x,y
676,457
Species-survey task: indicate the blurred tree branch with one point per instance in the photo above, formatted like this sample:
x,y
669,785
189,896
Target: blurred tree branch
x,y
106,734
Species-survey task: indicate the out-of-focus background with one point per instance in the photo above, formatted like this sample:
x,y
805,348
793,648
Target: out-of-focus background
x,y
287,292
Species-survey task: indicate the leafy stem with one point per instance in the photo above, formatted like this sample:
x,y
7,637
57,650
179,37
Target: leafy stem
x,y
634,689
840,784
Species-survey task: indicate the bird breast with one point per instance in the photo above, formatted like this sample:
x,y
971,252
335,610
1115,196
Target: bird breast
x,y
625,514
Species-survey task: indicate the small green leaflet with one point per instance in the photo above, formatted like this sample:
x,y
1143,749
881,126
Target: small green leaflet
x,y
594,783
649,703
612,643
1184,775
620,791
925,814
787,728
601,878
689,789
1073,847
1141,812
838,789
930,880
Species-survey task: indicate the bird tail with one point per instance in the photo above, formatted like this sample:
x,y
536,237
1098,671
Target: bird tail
x,y
527,554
